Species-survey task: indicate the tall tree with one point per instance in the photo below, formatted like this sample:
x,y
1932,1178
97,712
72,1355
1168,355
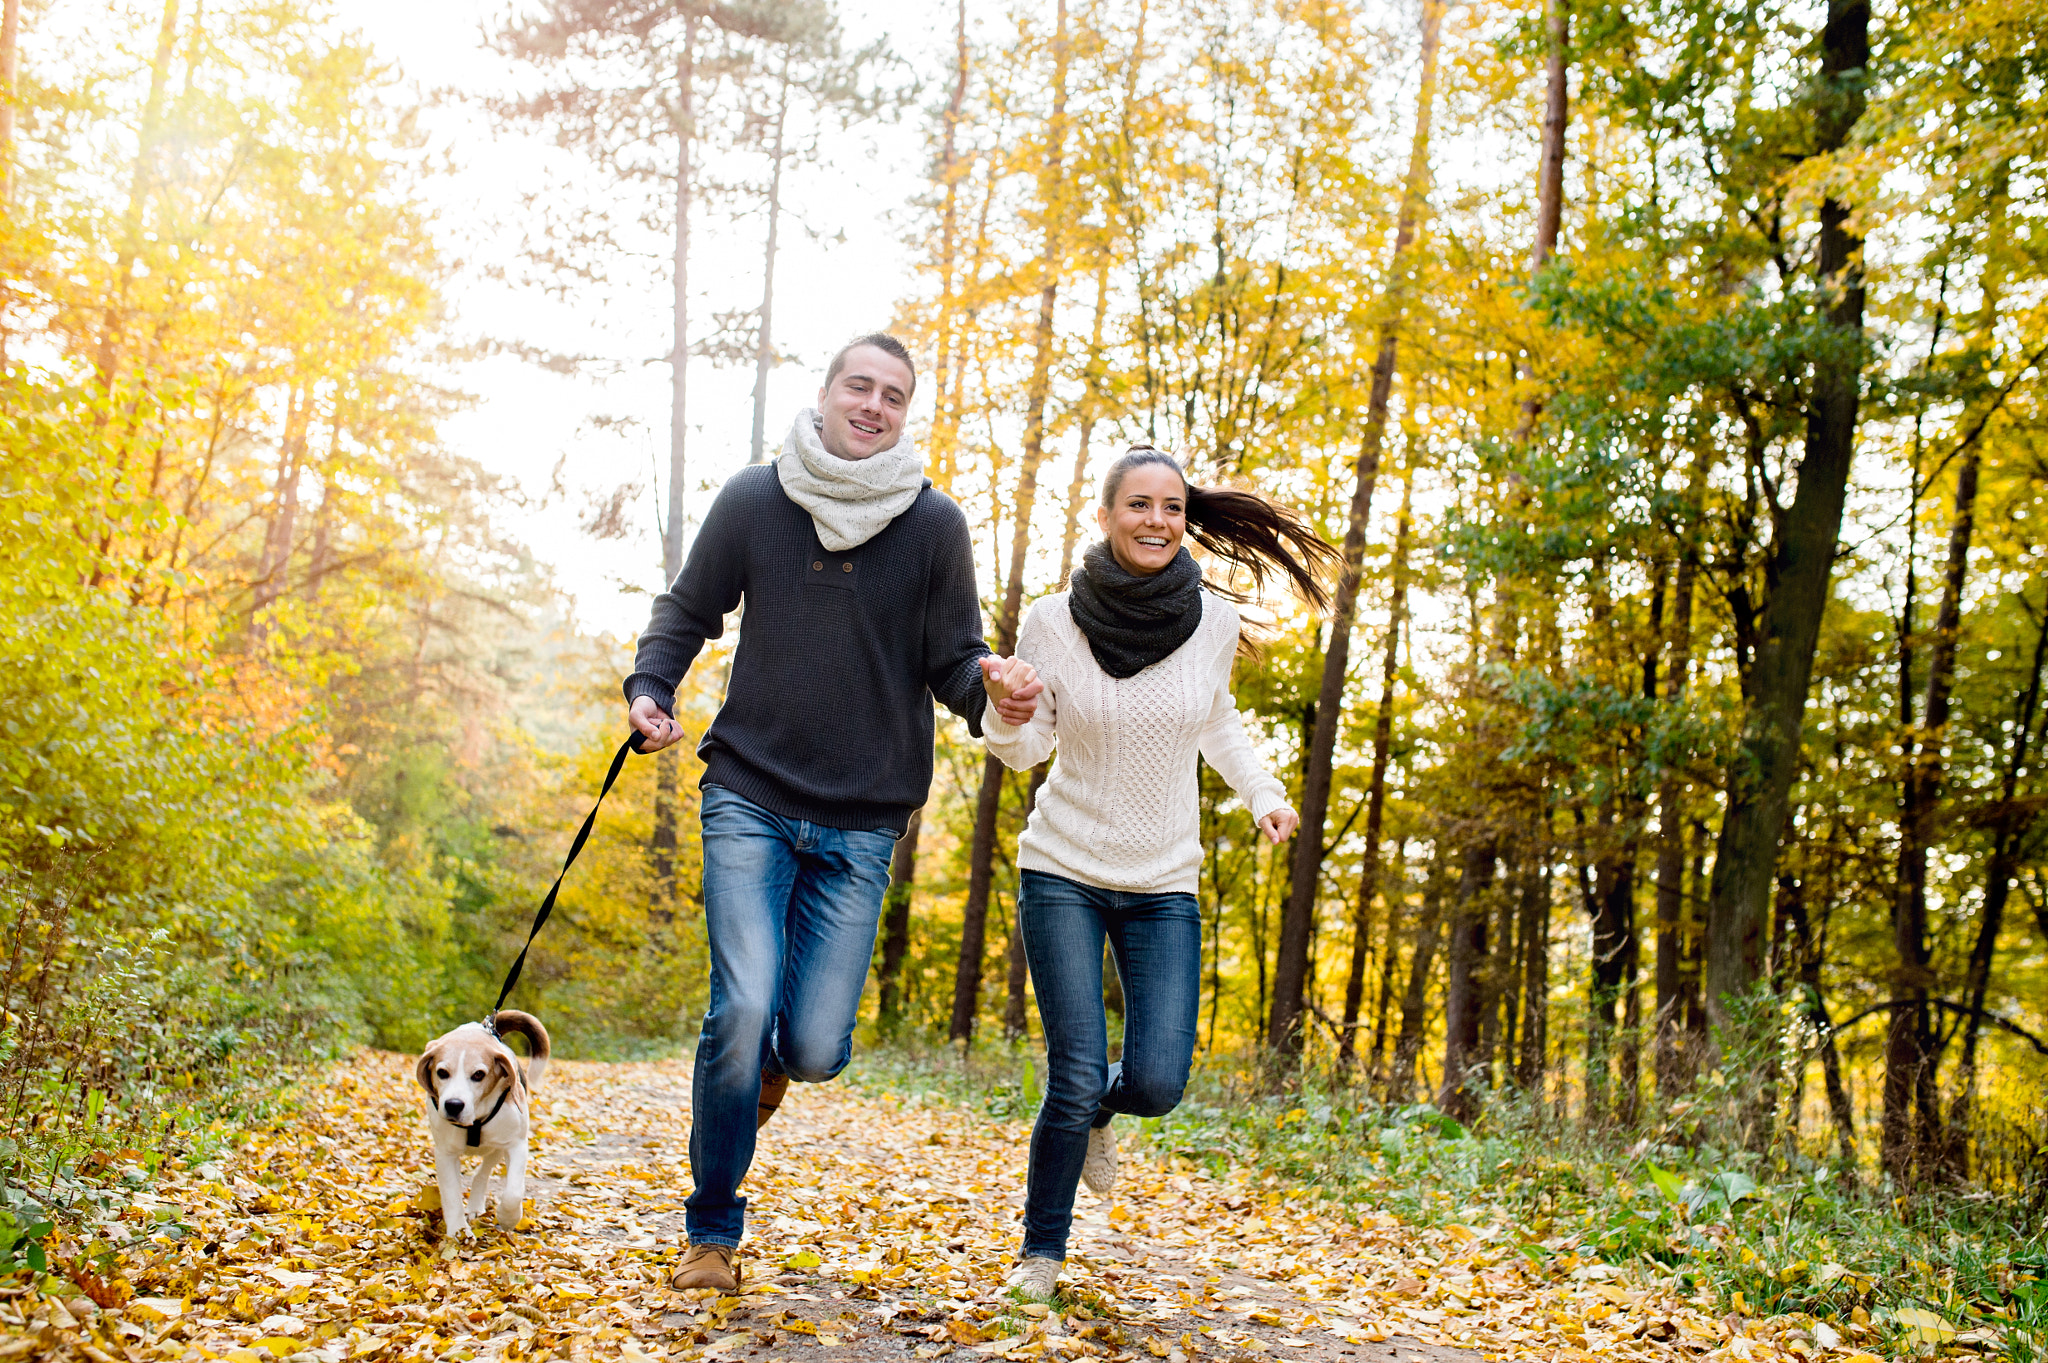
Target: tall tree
x,y
1376,791
949,172
1052,194
1466,984
764,320
1672,1047
1802,555
1557,40
629,81
837,89
1290,972
2010,824
1415,997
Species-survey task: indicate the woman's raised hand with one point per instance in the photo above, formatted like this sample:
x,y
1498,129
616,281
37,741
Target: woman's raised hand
x,y
1280,825
1013,686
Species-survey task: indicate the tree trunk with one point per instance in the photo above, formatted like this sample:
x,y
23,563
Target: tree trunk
x,y
1911,1050
1015,1023
1805,950
679,353
1613,943
1465,985
273,570
1557,24
1414,1000
1376,793
1297,924
1531,1061
1759,780
1390,952
1673,1058
974,918
667,795
663,842
946,406
980,873
764,342
1909,1041
2003,864
896,924
2000,872
1015,975
1839,1107
1077,488
1502,981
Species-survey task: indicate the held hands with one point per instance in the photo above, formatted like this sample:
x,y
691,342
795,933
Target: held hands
x,y
1280,825
1013,686
648,720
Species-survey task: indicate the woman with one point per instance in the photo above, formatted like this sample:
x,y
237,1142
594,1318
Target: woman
x,y
1135,659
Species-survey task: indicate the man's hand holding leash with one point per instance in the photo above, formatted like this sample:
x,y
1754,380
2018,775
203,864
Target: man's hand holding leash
x,y
648,721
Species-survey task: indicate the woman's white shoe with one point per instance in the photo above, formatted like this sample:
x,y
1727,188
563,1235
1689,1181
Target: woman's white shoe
x,y
1035,1278
1098,1170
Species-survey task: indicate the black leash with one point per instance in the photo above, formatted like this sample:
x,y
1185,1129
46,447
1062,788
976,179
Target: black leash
x,y
547,905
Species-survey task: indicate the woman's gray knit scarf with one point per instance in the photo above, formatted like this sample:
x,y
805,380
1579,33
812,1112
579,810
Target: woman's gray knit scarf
x,y
1131,622
850,500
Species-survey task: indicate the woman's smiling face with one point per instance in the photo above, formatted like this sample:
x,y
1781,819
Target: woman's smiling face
x,y
1146,518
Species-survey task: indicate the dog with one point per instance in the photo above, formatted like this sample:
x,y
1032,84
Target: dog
x,y
477,1099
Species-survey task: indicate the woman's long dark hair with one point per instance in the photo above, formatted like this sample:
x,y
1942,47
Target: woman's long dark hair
x,y
1243,529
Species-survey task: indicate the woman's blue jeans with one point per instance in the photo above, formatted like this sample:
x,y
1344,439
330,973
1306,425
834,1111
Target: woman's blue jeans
x,y
1157,942
790,908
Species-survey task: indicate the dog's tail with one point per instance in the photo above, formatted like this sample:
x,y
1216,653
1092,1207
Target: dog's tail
x,y
510,1020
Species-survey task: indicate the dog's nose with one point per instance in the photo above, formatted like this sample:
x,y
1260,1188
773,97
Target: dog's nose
x,y
453,1107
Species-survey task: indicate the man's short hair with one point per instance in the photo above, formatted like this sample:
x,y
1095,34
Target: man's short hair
x,y
880,340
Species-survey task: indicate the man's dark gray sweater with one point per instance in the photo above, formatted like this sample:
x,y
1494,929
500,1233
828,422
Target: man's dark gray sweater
x,y
829,713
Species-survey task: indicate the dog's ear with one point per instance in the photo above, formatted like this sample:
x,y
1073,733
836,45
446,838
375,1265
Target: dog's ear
x,y
502,1068
424,1072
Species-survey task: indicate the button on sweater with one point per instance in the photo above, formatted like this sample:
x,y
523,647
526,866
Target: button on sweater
x,y
828,716
1121,809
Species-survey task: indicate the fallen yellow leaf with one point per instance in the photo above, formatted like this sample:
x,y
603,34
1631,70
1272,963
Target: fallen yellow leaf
x,y
1924,1327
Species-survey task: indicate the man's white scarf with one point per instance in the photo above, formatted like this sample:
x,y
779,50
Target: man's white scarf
x,y
850,500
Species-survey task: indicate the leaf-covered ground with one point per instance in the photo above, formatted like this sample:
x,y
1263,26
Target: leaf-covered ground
x,y
879,1230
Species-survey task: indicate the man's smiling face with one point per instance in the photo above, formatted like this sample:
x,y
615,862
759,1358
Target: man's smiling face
x,y
865,403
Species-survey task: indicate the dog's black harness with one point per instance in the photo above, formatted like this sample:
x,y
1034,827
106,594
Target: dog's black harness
x,y
476,1128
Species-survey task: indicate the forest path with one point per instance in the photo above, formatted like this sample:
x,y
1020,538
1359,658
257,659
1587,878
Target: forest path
x,y
879,1229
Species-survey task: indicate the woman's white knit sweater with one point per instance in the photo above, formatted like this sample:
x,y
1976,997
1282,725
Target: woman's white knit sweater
x,y
1121,809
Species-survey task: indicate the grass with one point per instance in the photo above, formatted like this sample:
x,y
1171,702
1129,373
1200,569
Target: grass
x,y
1737,1231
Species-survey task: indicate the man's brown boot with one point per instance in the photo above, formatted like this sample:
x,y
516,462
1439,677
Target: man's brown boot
x,y
773,1086
708,1266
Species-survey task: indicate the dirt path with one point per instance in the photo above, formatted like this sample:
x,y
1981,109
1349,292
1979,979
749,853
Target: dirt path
x,y
878,1230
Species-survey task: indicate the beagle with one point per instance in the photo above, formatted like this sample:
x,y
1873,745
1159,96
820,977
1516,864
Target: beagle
x,y
477,1099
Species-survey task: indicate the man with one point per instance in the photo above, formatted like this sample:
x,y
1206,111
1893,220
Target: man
x,y
860,608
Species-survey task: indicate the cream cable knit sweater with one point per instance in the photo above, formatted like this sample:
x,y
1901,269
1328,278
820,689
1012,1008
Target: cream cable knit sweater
x,y
1120,810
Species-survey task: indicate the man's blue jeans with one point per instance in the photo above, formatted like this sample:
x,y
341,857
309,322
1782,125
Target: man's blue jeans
x,y
1157,941
790,908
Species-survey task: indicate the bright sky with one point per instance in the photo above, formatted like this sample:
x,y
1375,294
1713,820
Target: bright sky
x,y
526,421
